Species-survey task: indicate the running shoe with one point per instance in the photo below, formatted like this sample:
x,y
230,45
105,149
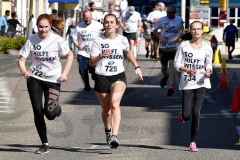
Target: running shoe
x,y
114,142
180,118
170,91
108,136
86,90
147,54
164,81
43,149
193,147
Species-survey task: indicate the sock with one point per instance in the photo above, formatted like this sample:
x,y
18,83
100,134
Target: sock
x,y
108,130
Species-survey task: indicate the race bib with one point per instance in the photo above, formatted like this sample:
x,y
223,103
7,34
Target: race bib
x,y
86,48
148,31
39,70
109,67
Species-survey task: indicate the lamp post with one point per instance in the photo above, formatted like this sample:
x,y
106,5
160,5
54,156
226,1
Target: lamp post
x,y
29,28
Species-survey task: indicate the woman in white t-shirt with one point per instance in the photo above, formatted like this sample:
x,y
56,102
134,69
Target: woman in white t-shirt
x,y
45,74
194,60
107,55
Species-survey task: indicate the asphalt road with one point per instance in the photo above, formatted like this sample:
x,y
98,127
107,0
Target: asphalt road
x,y
149,127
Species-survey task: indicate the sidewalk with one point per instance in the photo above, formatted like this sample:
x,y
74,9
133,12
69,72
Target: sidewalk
x,y
7,62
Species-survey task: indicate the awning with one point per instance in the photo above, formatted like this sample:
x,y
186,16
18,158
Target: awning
x,y
63,1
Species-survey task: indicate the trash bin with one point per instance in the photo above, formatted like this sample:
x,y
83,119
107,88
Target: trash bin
x,y
206,28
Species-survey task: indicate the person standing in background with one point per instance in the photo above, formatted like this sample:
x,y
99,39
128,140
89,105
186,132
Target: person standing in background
x,y
4,23
69,34
194,60
231,33
12,25
214,43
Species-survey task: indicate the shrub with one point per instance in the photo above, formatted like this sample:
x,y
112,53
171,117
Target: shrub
x,y
11,43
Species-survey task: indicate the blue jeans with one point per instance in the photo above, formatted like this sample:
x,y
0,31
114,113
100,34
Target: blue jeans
x,y
84,68
71,45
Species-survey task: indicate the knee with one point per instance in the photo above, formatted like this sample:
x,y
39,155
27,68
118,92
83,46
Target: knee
x,y
115,107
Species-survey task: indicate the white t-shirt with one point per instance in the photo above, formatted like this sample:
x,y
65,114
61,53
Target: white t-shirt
x,y
170,29
45,56
96,15
156,15
130,21
113,64
85,35
198,59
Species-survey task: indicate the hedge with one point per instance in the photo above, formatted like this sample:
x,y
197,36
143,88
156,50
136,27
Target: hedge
x,y
11,43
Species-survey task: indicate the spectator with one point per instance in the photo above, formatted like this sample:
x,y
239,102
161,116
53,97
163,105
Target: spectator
x,y
4,23
54,12
34,25
12,25
231,33
214,43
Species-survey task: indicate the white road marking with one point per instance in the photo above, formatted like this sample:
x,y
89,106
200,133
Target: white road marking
x,y
7,102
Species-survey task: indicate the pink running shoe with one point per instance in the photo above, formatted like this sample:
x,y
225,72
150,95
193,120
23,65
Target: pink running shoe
x,y
180,118
193,147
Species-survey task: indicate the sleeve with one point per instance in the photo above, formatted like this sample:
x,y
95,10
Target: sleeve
x,y
25,50
139,17
64,47
178,60
209,58
121,18
149,16
96,50
157,25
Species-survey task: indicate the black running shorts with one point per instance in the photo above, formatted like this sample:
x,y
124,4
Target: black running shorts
x,y
103,83
167,54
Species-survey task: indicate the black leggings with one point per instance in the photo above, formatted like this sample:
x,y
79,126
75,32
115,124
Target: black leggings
x,y
36,90
193,98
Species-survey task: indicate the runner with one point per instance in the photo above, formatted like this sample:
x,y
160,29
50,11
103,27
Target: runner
x,y
83,37
44,76
107,55
194,60
171,30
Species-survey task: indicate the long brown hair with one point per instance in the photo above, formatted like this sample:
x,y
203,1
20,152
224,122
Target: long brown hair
x,y
57,24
